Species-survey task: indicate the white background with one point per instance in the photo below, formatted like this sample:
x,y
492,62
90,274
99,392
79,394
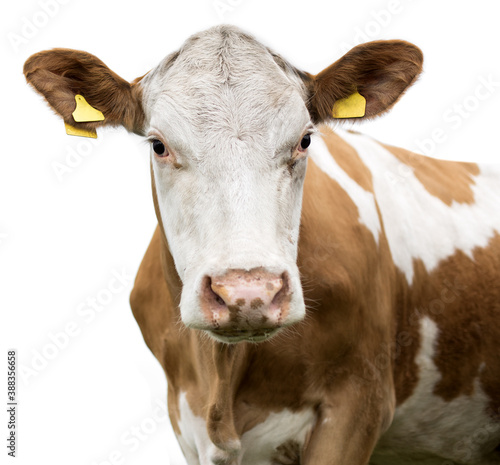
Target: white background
x,y
61,238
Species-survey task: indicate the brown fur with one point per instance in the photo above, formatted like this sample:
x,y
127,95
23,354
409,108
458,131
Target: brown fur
x,y
448,181
348,159
381,71
463,297
61,73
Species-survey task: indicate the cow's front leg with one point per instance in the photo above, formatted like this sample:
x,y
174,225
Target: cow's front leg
x,y
348,428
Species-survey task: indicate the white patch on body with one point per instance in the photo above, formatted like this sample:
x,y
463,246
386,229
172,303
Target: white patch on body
x,y
364,200
419,225
257,446
429,430
194,440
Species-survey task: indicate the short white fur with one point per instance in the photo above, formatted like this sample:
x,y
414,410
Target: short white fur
x,y
233,117
419,225
364,200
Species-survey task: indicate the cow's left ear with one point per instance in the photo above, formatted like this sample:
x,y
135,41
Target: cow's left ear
x,y
63,76
379,71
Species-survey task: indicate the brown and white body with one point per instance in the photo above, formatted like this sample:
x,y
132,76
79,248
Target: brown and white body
x,y
337,303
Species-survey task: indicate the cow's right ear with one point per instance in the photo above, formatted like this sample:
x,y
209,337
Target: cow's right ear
x,y
61,74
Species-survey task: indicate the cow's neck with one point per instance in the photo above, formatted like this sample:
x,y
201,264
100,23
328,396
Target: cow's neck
x,y
229,366
221,366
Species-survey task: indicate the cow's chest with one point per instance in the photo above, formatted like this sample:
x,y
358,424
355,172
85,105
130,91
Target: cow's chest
x,y
425,430
279,438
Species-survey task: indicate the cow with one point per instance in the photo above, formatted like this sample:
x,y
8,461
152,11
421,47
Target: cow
x,y
347,313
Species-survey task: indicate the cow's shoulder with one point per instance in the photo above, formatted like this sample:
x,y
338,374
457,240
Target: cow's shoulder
x,y
340,221
441,222
447,181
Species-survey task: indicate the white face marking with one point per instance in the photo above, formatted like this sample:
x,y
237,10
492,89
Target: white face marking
x,y
232,117
427,428
257,446
364,200
419,225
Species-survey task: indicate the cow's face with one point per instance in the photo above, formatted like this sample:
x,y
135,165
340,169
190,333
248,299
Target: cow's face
x,y
229,133
229,125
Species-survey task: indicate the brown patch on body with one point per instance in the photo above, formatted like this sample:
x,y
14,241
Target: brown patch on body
x,y
347,158
448,181
406,341
461,295
469,324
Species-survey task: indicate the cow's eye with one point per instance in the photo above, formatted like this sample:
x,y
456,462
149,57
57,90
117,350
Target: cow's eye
x,y
305,142
159,148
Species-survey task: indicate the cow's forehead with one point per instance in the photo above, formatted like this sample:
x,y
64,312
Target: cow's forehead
x,y
223,80
222,55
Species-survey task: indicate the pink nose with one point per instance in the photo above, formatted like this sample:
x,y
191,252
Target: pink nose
x,y
245,300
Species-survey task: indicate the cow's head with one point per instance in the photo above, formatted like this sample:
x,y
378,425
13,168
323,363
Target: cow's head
x,y
229,123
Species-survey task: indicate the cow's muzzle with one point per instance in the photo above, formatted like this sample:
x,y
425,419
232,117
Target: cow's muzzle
x,y
244,305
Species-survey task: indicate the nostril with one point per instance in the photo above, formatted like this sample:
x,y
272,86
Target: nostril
x,y
283,292
212,293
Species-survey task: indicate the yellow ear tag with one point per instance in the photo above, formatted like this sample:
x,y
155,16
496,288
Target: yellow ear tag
x,y
353,106
84,112
72,131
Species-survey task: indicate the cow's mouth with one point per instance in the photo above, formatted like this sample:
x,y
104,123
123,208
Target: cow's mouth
x,y
239,335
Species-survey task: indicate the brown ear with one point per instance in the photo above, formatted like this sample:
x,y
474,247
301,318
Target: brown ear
x,y
60,74
380,71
